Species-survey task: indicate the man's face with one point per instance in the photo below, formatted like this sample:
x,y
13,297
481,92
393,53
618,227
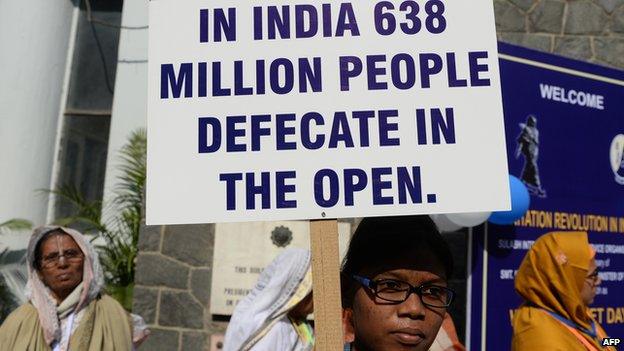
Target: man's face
x,y
377,325
61,264
590,285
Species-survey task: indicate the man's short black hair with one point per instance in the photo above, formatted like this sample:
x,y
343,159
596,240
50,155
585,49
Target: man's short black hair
x,y
380,239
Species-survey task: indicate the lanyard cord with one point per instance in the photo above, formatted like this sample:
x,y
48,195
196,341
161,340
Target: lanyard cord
x,y
571,324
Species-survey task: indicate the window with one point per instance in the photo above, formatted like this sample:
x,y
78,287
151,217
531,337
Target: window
x,y
84,142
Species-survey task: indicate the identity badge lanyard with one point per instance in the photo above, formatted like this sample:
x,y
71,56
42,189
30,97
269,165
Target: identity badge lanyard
x,y
67,333
569,323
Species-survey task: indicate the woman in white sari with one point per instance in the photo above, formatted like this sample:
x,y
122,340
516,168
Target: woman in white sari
x,y
272,316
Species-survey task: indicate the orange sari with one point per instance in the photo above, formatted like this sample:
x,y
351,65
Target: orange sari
x,y
550,279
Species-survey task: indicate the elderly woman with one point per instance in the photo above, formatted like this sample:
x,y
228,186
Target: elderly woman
x,y
557,280
272,317
66,308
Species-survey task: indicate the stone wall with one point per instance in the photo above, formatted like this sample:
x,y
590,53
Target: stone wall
x,y
172,286
588,30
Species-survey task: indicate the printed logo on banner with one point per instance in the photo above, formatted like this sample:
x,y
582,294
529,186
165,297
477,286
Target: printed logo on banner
x,y
528,147
281,236
617,158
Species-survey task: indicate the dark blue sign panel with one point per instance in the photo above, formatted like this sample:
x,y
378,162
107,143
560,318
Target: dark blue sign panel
x,y
564,123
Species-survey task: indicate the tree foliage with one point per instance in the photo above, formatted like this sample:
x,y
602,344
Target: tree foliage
x,y
124,214
16,224
7,300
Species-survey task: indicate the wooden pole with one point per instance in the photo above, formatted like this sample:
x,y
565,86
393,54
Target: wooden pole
x,y
326,285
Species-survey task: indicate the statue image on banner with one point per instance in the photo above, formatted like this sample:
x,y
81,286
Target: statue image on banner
x,y
619,174
528,146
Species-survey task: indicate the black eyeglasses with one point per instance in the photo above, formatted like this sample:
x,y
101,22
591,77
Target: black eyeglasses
x,y
397,291
593,277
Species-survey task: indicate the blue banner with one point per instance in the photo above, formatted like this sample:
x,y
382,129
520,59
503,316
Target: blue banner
x,y
565,140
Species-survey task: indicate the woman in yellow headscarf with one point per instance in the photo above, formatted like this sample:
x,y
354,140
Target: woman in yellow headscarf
x,y
557,280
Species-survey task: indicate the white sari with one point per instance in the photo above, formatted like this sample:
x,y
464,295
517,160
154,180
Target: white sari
x,y
260,321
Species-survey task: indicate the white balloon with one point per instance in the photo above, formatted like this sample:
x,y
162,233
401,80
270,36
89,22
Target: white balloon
x,y
470,219
444,224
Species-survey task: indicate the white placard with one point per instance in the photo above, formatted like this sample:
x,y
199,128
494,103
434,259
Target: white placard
x,y
300,110
243,250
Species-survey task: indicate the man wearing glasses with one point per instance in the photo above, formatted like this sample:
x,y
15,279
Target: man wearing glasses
x,y
394,282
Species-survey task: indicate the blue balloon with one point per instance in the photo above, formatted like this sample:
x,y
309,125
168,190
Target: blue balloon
x,y
520,201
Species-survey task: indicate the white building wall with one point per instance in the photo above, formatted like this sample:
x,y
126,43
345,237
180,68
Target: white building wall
x,y
130,100
34,37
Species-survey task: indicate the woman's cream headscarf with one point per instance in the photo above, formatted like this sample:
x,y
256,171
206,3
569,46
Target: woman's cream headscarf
x,y
40,295
281,286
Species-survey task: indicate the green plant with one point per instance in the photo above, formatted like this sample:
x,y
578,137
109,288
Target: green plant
x,y
120,229
16,224
7,300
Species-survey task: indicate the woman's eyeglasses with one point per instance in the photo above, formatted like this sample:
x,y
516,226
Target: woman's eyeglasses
x,y
53,259
593,277
397,291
